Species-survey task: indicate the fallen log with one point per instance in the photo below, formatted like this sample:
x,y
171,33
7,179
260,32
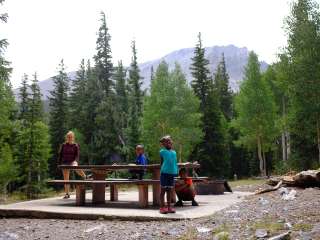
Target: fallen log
x,y
304,179
269,189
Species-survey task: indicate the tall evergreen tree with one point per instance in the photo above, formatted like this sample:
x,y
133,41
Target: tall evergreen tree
x,y
122,107
77,98
103,58
212,152
105,138
221,83
92,98
199,69
59,115
7,115
135,100
303,26
256,112
24,96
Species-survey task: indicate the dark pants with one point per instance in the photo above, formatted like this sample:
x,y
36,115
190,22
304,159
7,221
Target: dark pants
x,y
186,194
137,173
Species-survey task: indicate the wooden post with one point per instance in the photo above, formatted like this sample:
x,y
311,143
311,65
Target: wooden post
x,y
98,189
143,195
113,192
80,195
156,187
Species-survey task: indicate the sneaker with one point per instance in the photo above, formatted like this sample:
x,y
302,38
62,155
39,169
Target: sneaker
x,y
194,203
163,210
179,204
171,210
66,196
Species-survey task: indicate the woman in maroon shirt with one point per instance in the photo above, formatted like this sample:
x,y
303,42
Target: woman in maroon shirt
x,y
69,155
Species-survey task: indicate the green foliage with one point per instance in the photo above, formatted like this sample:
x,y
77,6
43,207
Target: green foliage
x,y
200,73
221,83
212,151
135,102
8,169
103,58
59,115
171,108
256,112
303,50
122,93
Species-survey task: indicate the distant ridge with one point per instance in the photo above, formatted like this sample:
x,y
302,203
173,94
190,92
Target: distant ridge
x,y
236,58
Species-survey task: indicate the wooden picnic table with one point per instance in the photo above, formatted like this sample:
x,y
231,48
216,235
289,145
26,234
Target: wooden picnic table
x,y
100,172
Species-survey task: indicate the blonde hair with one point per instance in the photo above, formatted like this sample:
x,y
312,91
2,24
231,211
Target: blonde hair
x,y
70,133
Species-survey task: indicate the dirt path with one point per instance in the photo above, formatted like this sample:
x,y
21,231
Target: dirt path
x,y
267,212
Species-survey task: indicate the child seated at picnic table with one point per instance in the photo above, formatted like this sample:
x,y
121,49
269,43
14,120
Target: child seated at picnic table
x,y
140,160
184,189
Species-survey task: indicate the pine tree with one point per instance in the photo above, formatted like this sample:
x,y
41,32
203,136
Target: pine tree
x,y
256,111
221,83
212,152
23,95
92,98
303,26
103,58
200,73
59,115
122,107
77,98
105,142
135,101
7,117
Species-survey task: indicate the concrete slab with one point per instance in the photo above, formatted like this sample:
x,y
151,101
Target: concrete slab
x,y
125,209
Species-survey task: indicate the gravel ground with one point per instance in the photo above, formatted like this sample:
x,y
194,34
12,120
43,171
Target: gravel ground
x,y
266,214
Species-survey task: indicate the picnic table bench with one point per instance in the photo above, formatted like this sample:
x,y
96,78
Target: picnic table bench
x,y
100,181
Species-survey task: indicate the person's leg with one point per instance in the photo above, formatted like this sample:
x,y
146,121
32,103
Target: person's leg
x,y
66,175
169,194
179,203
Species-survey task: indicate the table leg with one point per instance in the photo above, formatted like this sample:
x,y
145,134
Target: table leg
x,y
113,192
143,196
98,189
156,187
80,195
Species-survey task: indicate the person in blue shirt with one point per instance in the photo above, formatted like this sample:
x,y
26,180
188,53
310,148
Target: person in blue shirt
x,y
169,170
140,160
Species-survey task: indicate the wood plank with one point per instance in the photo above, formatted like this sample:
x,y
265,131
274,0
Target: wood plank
x,y
125,166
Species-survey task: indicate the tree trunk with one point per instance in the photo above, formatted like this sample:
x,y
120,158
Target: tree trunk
x,y
288,144
318,137
180,153
261,162
284,146
285,134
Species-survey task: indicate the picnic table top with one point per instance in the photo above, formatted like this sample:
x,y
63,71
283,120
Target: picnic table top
x,y
126,166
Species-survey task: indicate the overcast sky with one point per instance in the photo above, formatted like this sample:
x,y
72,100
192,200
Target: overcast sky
x,y
41,32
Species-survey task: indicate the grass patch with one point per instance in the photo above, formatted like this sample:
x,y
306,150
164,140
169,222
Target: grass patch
x,y
269,224
244,182
189,235
305,227
15,197
221,228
